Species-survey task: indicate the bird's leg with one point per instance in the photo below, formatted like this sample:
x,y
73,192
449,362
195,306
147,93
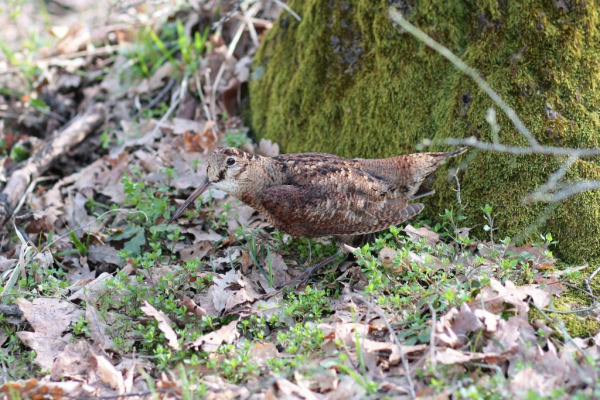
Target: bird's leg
x,y
300,279
308,272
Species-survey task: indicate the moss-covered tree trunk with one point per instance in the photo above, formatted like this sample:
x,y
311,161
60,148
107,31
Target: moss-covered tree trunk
x,y
345,80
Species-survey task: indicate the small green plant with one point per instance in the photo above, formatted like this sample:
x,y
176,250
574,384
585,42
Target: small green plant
x,y
255,251
451,223
192,386
371,387
232,364
309,305
489,217
15,358
18,153
106,139
236,138
25,63
81,328
191,50
82,247
304,338
254,327
170,172
151,201
171,45
195,164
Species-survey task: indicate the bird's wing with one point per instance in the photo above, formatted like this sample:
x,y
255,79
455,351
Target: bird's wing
x,y
315,211
334,174
406,173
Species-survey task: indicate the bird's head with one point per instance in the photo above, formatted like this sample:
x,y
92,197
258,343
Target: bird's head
x,y
227,168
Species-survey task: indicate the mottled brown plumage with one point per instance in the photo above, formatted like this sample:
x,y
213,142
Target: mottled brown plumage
x,y
313,194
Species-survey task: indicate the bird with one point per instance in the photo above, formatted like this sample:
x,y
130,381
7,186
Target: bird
x,y
318,194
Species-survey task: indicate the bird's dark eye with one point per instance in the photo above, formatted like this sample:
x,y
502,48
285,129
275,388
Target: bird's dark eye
x,y
230,161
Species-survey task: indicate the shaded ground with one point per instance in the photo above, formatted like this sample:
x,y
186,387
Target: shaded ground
x,y
101,297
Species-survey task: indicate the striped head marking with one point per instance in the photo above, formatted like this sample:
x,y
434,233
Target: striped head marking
x,y
227,167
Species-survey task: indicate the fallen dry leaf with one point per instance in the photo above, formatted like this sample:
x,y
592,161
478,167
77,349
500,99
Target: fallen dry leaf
x,y
6,263
202,139
267,148
452,328
416,234
451,356
496,294
72,362
387,256
48,316
231,290
36,389
528,379
347,389
46,348
108,374
202,235
198,249
230,96
104,255
323,382
193,308
551,284
91,292
98,327
211,341
164,324
511,335
246,262
288,389
277,267
260,352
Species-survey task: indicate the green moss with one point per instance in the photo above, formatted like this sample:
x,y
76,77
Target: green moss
x,y
585,324
578,325
345,81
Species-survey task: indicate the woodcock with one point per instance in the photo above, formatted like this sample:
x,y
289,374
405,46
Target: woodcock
x,y
313,194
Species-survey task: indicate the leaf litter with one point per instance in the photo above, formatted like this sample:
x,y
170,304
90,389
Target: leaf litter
x,y
223,338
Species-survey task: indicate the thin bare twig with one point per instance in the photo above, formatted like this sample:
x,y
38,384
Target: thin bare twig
x,y
593,307
523,150
561,327
594,273
207,114
288,9
380,314
69,136
158,98
458,198
587,282
28,191
432,360
226,16
175,100
397,17
569,191
553,190
116,210
587,290
51,114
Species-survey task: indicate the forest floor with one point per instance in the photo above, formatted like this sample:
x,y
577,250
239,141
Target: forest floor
x,y
108,112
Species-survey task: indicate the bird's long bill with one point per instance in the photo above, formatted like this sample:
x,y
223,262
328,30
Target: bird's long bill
x,y
190,200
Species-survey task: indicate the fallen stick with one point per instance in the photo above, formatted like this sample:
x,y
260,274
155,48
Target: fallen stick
x,y
63,140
